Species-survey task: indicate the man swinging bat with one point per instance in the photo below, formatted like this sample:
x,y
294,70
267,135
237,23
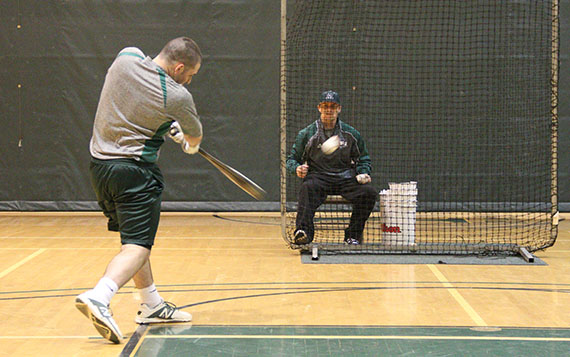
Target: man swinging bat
x,y
140,99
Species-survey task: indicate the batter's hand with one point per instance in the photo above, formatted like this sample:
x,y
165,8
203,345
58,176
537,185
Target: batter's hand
x,y
363,178
175,133
302,170
189,149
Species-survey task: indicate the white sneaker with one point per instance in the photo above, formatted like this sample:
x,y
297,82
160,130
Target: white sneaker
x,y
163,312
101,316
301,237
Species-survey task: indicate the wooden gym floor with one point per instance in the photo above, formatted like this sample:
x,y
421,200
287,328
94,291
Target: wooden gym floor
x,y
251,295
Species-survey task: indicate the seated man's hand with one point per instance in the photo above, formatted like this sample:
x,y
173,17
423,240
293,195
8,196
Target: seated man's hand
x,y
302,170
363,178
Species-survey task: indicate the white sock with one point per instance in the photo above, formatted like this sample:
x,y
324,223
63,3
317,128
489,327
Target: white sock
x,y
150,296
104,291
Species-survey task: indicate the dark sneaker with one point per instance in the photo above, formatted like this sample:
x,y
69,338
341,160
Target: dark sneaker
x,y
163,312
351,241
101,316
301,237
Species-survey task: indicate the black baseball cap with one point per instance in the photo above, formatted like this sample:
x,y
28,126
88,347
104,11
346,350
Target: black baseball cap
x,y
330,96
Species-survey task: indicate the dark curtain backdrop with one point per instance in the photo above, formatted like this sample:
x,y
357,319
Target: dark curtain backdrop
x,y
53,59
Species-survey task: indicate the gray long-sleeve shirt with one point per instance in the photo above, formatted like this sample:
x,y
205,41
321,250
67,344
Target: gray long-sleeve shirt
x,y
138,103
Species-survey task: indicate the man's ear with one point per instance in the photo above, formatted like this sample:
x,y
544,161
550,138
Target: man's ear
x,y
339,108
179,68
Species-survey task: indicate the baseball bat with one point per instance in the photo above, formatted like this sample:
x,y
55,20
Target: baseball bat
x,y
235,176
232,174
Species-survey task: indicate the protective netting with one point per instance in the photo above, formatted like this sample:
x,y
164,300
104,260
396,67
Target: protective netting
x,y
456,101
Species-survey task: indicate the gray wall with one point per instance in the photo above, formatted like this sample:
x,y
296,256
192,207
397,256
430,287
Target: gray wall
x,y
58,53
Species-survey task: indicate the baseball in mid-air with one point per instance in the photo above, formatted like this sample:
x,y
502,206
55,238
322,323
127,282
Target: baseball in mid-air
x,y
330,145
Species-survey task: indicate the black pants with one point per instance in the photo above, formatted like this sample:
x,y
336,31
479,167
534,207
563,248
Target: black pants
x,y
314,191
129,193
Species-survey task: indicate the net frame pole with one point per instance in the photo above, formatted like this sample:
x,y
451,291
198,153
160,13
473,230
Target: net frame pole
x,y
283,121
554,106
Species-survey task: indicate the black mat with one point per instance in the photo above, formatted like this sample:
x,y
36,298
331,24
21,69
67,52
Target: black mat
x,y
327,258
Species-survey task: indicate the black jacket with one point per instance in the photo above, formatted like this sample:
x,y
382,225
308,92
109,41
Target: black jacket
x,y
351,155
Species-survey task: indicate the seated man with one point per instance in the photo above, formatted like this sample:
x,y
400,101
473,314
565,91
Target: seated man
x,y
344,171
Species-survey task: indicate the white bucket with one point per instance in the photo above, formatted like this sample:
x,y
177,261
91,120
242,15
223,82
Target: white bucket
x,y
398,213
403,188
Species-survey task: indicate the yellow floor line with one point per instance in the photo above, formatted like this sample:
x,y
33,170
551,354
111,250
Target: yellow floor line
x,y
22,262
47,337
464,304
158,238
158,249
139,344
360,337
309,337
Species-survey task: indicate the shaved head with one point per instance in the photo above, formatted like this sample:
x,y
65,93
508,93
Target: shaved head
x,y
182,49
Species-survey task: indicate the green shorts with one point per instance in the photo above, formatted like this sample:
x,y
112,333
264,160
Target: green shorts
x,y
129,192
